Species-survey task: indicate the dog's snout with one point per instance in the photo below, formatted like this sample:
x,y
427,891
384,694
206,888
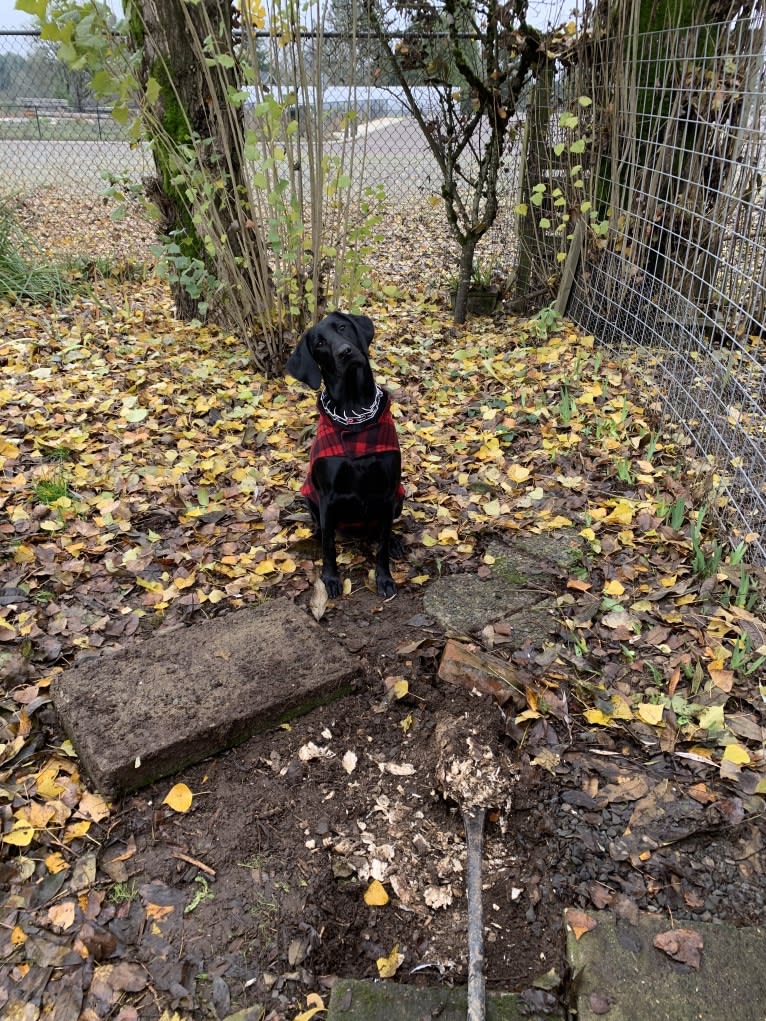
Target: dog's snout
x,y
345,351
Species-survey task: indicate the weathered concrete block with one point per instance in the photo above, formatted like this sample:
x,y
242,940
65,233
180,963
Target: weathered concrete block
x,y
149,710
354,1000
625,977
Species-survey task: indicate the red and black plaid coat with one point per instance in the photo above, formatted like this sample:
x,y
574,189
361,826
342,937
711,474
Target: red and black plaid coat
x,y
335,440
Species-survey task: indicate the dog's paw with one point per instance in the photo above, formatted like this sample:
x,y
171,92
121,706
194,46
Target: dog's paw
x,y
386,585
333,585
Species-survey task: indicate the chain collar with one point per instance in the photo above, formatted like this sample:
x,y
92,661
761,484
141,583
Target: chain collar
x,y
358,418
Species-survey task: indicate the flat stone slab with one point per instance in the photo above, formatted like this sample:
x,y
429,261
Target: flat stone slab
x,y
624,977
519,590
149,710
354,1000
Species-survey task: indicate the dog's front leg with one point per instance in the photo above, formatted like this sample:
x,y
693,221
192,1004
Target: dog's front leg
x,y
330,575
385,583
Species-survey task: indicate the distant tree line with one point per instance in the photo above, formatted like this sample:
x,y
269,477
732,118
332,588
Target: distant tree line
x,y
41,75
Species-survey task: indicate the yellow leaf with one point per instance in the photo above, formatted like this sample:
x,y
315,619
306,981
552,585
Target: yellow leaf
x,y
179,798
620,708
75,830
597,716
315,1004
375,895
490,451
614,588
396,687
518,473
182,583
18,936
736,753
39,815
622,514
712,718
650,713
55,862
21,834
388,966
47,787
265,567
428,540
528,714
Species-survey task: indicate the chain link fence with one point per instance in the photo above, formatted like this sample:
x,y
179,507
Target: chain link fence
x,y
52,132
681,277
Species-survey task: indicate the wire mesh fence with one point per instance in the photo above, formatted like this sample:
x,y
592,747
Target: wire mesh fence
x,y
52,132
681,166
683,275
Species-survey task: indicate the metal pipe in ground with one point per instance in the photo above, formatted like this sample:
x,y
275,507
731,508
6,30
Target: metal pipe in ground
x,y
473,820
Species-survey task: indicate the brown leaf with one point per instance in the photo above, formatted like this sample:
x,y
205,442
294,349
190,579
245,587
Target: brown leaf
x,y
684,945
470,669
601,896
319,599
579,922
627,788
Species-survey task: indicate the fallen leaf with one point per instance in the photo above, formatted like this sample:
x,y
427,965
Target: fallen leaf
x,y
737,754
375,895
651,713
179,798
62,916
388,966
315,1004
319,600
684,945
579,922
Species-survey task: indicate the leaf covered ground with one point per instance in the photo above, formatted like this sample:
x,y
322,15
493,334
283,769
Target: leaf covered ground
x,y
149,478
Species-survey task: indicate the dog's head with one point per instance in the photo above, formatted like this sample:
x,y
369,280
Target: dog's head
x,y
338,344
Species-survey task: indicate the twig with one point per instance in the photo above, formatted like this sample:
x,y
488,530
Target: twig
x,y
194,861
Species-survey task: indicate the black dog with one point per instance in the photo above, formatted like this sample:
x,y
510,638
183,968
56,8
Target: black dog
x,y
354,480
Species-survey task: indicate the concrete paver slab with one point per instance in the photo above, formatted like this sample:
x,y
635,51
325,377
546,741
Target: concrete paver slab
x,y
354,1000
157,706
624,977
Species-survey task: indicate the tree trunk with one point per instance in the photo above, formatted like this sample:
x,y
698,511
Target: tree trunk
x,y
465,272
207,216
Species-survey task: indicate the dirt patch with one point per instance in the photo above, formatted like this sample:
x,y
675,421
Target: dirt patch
x,y
262,883
294,839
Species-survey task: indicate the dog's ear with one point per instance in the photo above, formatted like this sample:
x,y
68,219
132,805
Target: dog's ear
x,y
366,328
301,364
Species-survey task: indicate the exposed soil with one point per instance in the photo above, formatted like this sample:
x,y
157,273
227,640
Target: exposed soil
x,y
272,862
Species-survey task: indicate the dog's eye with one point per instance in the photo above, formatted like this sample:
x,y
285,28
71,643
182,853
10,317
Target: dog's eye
x,y
340,327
